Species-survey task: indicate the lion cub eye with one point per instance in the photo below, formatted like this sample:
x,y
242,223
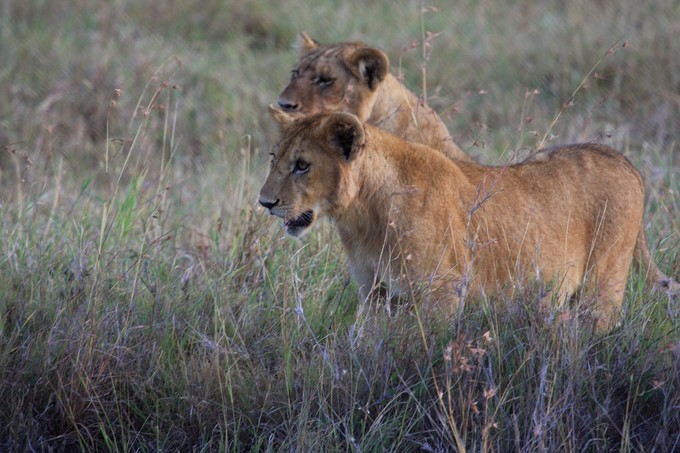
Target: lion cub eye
x,y
300,167
323,81
294,74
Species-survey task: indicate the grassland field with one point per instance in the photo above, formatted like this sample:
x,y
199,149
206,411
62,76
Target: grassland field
x,y
148,304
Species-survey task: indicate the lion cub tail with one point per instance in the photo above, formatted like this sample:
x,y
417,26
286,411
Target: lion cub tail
x,y
658,279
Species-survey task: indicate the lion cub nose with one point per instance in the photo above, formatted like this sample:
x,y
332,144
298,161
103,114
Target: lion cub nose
x,y
287,105
268,203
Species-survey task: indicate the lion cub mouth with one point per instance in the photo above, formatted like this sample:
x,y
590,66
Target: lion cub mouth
x,y
297,225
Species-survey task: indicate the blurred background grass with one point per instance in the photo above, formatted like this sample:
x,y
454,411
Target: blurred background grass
x,y
148,304
62,62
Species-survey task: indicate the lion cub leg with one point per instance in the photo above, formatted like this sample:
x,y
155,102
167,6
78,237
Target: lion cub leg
x,y
608,283
374,292
370,289
441,297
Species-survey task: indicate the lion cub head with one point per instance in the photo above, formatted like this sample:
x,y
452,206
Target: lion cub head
x,y
309,169
334,78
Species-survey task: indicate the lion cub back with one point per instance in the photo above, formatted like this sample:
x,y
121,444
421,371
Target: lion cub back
x,y
572,215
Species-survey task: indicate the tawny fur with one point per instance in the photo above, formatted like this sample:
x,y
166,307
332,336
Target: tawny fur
x,y
351,77
409,217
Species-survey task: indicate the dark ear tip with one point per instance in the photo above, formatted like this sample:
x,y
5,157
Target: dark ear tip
x,y
346,132
370,64
372,53
376,57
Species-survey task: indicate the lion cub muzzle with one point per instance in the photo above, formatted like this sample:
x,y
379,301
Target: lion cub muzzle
x,y
294,225
288,105
269,204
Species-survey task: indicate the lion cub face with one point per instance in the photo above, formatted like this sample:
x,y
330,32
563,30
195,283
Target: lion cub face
x,y
309,170
334,78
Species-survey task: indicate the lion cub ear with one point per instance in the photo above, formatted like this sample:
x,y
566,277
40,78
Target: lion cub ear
x,y
305,43
345,132
283,119
369,65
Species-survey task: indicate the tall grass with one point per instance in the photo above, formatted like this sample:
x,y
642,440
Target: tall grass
x,y
147,304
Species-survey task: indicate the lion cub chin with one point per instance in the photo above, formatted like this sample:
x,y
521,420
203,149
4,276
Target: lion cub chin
x,y
408,217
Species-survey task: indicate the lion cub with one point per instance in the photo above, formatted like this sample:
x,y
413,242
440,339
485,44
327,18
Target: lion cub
x,y
408,217
351,77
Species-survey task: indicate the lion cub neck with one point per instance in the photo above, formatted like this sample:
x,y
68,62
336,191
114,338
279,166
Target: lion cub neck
x,y
398,110
388,178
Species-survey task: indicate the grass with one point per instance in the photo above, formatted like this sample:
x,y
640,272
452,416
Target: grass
x,y
148,304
